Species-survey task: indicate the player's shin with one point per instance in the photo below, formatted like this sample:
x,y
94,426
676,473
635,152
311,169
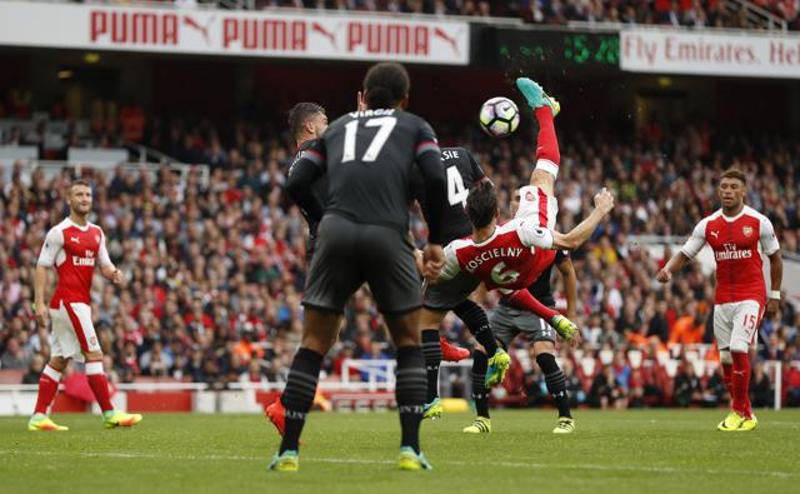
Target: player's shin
x,y
432,351
556,382
48,388
298,396
479,392
99,384
475,318
726,360
741,383
411,387
548,156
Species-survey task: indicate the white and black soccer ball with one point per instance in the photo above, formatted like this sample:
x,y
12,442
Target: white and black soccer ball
x,y
499,117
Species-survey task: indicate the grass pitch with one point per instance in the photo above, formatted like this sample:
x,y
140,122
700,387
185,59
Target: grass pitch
x,y
633,451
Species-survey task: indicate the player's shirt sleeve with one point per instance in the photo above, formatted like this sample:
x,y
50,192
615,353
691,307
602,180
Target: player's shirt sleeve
x,y
307,167
451,267
696,241
102,252
768,239
477,172
53,243
428,157
533,235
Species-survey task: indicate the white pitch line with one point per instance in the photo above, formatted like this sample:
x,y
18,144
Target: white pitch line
x,y
354,461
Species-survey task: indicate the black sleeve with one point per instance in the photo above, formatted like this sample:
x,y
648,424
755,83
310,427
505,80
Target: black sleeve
x,y
477,171
429,160
308,166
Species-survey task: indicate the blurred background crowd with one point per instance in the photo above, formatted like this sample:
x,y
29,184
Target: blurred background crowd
x,y
216,266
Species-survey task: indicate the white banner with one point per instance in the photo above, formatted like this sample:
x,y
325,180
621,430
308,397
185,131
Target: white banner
x,y
221,32
746,54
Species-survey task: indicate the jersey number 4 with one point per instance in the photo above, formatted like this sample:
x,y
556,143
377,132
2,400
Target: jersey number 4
x,y
456,192
386,125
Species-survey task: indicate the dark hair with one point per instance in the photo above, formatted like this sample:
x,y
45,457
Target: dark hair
x,y
385,85
299,115
482,204
734,173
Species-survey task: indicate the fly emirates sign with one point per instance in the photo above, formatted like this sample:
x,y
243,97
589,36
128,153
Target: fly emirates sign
x,y
745,54
328,36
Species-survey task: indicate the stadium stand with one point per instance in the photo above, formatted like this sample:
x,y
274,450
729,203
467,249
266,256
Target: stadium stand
x,y
216,268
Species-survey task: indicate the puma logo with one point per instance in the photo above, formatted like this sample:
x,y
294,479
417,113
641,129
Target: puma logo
x,y
715,234
75,239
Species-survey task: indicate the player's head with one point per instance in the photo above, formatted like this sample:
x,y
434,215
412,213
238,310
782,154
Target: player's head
x,y
307,121
482,204
79,197
386,85
732,188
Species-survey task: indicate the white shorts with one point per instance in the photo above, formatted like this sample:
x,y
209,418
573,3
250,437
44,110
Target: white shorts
x,y
736,324
72,331
534,203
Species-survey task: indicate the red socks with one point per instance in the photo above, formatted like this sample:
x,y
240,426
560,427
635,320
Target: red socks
x,y
727,377
740,383
48,387
99,384
546,141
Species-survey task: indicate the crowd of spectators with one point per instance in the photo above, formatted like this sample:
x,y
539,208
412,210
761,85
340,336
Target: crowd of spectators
x,y
690,13
215,270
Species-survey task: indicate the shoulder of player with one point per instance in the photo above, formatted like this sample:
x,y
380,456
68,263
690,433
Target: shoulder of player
x,y
95,228
715,216
748,211
59,228
460,243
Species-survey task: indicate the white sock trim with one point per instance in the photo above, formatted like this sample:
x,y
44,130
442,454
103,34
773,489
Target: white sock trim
x,y
51,373
94,368
547,166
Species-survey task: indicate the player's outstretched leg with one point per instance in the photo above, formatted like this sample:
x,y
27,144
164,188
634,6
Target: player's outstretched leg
x,y
432,351
557,386
480,395
48,388
475,319
548,156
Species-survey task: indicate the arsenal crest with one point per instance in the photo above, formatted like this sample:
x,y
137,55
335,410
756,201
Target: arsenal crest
x,y
747,231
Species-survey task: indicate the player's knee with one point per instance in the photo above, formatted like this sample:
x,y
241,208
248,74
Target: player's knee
x,y
543,179
547,362
725,357
93,356
739,345
58,363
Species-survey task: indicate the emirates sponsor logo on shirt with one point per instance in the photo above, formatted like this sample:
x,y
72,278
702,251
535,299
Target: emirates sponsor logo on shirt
x,y
84,261
732,253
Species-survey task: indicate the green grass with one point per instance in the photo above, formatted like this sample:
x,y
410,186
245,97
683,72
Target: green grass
x,y
635,451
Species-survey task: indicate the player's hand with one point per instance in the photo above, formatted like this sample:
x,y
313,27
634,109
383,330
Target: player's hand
x,y
42,314
117,277
773,308
361,103
604,201
664,275
419,261
433,261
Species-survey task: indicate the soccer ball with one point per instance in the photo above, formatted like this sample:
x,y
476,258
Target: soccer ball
x,y
499,117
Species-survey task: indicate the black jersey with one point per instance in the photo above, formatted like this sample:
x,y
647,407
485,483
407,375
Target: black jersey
x,y
319,190
462,172
369,157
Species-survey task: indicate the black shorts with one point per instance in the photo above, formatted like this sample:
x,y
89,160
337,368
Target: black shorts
x,y
347,254
447,295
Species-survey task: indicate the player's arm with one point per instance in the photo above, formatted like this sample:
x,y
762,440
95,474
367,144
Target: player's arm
x,y
53,243
429,161
543,238
567,270
772,249
107,268
308,166
450,268
690,249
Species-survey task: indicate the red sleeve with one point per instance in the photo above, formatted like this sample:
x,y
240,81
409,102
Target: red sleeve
x,y
522,299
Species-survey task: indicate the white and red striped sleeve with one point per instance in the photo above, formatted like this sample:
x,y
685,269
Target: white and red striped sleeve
x,y
768,239
53,243
696,240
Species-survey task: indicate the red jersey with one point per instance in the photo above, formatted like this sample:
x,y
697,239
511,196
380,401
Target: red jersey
x,y
516,254
735,242
73,250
